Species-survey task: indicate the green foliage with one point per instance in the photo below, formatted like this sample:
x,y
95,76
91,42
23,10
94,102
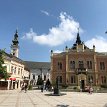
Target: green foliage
x,y
64,85
30,87
74,88
3,72
40,81
53,83
103,86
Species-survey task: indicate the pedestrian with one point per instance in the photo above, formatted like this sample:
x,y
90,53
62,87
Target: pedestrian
x,y
22,87
25,87
42,88
52,88
91,90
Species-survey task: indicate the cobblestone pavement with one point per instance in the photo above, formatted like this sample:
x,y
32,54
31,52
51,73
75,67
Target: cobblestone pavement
x,y
34,98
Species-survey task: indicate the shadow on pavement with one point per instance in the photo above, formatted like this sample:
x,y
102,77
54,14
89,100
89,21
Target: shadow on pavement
x,y
62,105
51,94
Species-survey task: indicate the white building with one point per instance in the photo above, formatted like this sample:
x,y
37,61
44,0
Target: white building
x,y
38,69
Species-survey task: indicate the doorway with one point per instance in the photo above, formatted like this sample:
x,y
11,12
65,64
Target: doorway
x,y
82,84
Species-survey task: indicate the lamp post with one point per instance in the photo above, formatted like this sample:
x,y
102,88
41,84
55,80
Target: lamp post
x,y
97,85
91,83
90,90
80,86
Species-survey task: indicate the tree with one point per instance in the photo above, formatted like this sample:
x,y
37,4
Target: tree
x,y
3,72
39,81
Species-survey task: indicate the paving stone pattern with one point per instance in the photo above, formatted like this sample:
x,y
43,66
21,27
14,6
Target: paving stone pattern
x,y
35,98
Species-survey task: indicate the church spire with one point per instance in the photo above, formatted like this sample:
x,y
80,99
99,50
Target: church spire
x,y
78,40
15,40
14,46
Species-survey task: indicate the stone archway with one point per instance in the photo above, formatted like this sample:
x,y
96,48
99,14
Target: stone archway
x,y
82,81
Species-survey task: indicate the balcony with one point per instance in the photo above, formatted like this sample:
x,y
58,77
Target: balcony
x,y
81,71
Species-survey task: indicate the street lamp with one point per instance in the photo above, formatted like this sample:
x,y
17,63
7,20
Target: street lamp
x,y
80,86
91,83
90,89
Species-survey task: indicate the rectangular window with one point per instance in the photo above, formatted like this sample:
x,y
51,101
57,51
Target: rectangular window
x,y
73,79
18,71
12,70
21,71
72,64
81,64
90,79
89,64
103,79
59,65
15,70
102,66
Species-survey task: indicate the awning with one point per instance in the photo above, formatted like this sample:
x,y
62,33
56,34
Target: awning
x,y
12,79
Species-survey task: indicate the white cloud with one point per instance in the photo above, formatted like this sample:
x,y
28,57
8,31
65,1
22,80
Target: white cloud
x,y
65,31
99,42
57,51
45,12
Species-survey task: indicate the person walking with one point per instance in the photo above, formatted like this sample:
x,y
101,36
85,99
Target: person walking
x,y
90,90
25,87
22,87
42,87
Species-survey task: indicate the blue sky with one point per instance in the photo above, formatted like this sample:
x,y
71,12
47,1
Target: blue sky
x,y
51,25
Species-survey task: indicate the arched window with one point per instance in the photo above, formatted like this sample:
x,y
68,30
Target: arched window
x,y
103,79
72,64
81,64
89,64
90,79
59,65
102,66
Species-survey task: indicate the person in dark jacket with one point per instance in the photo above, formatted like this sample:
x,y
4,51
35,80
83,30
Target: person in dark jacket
x,y
25,88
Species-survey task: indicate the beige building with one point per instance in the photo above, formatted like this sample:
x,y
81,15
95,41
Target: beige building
x,y
79,66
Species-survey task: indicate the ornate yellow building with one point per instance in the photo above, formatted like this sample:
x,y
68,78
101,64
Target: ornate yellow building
x,y
15,67
79,66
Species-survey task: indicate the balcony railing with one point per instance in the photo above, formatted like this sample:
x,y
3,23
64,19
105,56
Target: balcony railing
x,y
81,71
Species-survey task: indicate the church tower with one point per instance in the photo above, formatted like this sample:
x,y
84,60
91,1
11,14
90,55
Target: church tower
x,y
15,46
